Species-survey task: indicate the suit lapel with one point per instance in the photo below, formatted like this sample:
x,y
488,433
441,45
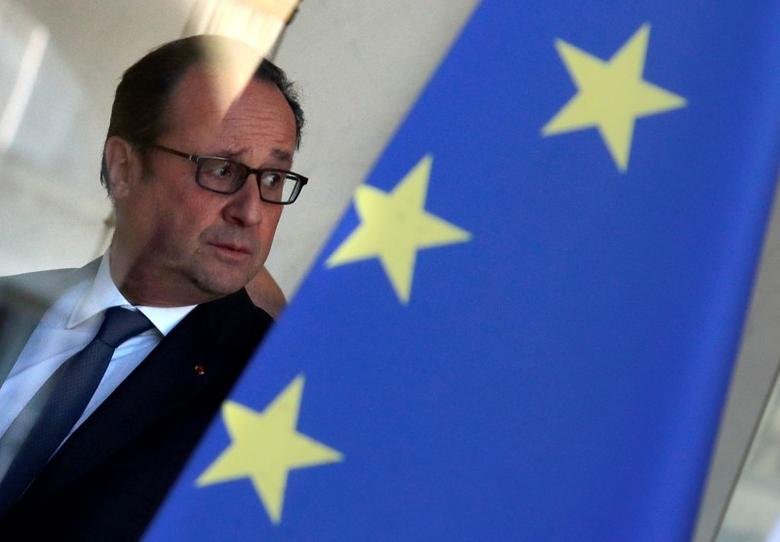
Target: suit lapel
x,y
24,299
17,322
199,351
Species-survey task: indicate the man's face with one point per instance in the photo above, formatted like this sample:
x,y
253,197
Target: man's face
x,y
188,244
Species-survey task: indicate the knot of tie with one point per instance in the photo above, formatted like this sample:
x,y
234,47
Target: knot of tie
x,y
121,324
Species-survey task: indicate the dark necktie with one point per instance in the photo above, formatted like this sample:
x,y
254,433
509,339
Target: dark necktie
x,y
45,422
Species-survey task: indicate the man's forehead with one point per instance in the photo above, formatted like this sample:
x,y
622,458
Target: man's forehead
x,y
215,90
213,99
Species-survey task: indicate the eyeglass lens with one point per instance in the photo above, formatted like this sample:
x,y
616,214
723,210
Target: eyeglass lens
x,y
226,176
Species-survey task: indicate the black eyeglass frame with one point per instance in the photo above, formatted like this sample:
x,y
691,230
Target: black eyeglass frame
x,y
197,158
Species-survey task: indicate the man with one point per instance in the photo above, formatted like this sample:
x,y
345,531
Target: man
x,y
101,406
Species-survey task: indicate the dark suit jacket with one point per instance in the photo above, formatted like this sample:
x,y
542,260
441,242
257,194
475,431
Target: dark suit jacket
x,y
107,480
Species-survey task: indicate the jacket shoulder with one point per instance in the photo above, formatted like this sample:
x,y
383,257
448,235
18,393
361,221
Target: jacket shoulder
x,y
23,301
42,288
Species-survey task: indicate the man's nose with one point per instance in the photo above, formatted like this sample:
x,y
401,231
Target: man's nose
x,y
245,207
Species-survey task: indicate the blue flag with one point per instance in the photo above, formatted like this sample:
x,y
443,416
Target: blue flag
x,y
524,327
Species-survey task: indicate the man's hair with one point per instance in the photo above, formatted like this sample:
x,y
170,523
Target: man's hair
x,y
139,111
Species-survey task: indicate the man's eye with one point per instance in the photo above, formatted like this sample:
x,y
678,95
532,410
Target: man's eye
x,y
224,169
272,179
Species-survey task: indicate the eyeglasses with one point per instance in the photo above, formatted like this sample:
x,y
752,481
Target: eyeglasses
x,y
226,176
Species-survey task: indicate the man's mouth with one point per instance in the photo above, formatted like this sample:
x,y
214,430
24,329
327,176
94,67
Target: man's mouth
x,y
231,248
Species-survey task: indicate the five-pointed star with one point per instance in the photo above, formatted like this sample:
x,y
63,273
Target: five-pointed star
x,y
265,447
394,226
611,95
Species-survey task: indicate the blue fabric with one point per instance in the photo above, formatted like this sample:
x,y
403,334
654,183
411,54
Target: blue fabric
x,y
560,375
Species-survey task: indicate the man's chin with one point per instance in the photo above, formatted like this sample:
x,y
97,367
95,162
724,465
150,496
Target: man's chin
x,y
222,282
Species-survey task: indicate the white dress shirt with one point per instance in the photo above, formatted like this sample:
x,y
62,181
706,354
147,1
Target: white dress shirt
x,y
67,327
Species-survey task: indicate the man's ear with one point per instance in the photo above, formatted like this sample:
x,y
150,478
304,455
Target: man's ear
x,y
123,166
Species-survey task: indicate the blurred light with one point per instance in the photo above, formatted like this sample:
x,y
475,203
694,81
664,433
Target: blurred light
x,y
258,23
28,67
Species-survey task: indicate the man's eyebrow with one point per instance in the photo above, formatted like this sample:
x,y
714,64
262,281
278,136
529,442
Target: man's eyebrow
x,y
281,155
235,153
231,152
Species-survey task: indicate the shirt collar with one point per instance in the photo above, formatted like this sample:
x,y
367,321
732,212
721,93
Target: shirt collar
x,y
103,294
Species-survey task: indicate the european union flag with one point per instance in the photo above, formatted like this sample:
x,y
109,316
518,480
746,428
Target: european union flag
x,y
524,327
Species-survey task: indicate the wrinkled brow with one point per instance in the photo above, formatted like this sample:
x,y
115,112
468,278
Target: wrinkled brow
x,y
281,155
235,153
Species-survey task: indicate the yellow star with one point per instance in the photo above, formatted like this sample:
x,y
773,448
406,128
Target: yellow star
x,y
611,95
394,226
265,447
